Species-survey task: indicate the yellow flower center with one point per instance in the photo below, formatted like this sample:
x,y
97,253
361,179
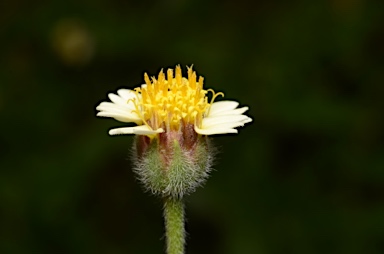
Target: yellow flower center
x,y
172,101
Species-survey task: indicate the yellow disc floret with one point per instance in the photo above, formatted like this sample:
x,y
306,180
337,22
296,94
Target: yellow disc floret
x,y
172,101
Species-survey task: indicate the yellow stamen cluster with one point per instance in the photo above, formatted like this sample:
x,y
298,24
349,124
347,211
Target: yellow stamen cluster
x,y
168,102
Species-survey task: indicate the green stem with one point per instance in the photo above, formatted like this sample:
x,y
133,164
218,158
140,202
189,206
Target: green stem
x,y
174,225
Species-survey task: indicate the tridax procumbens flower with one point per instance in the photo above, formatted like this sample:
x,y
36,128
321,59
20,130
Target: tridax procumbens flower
x,y
173,116
169,103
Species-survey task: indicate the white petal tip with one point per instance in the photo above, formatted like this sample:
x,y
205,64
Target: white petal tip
x,y
115,132
138,130
215,131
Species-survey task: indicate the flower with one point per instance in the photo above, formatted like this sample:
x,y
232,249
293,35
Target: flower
x,y
170,104
172,153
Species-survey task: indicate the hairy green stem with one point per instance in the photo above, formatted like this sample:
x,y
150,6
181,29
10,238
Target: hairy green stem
x,y
174,225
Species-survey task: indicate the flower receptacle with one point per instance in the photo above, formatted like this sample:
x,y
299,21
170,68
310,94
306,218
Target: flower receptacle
x,y
174,163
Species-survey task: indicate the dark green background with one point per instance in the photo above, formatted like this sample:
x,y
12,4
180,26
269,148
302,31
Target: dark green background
x,y
305,177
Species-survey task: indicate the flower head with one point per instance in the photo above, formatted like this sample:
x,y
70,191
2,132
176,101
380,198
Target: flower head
x,y
169,103
172,155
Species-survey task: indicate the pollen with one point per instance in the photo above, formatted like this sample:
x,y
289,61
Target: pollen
x,y
172,100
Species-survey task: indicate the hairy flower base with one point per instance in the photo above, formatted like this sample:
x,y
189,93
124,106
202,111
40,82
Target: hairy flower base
x,y
174,164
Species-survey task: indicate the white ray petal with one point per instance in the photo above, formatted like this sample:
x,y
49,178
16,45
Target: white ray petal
x,y
221,106
108,106
217,120
120,111
248,120
225,125
126,118
126,94
116,99
237,111
138,130
214,131
105,104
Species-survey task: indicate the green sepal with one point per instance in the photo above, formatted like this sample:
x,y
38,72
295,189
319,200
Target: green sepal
x,y
174,171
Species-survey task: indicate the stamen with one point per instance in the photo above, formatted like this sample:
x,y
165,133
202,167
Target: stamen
x,y
137,110
214,95
147,80
178,74
172,101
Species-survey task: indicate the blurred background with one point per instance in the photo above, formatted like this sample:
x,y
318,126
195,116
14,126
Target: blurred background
x,y
305,177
